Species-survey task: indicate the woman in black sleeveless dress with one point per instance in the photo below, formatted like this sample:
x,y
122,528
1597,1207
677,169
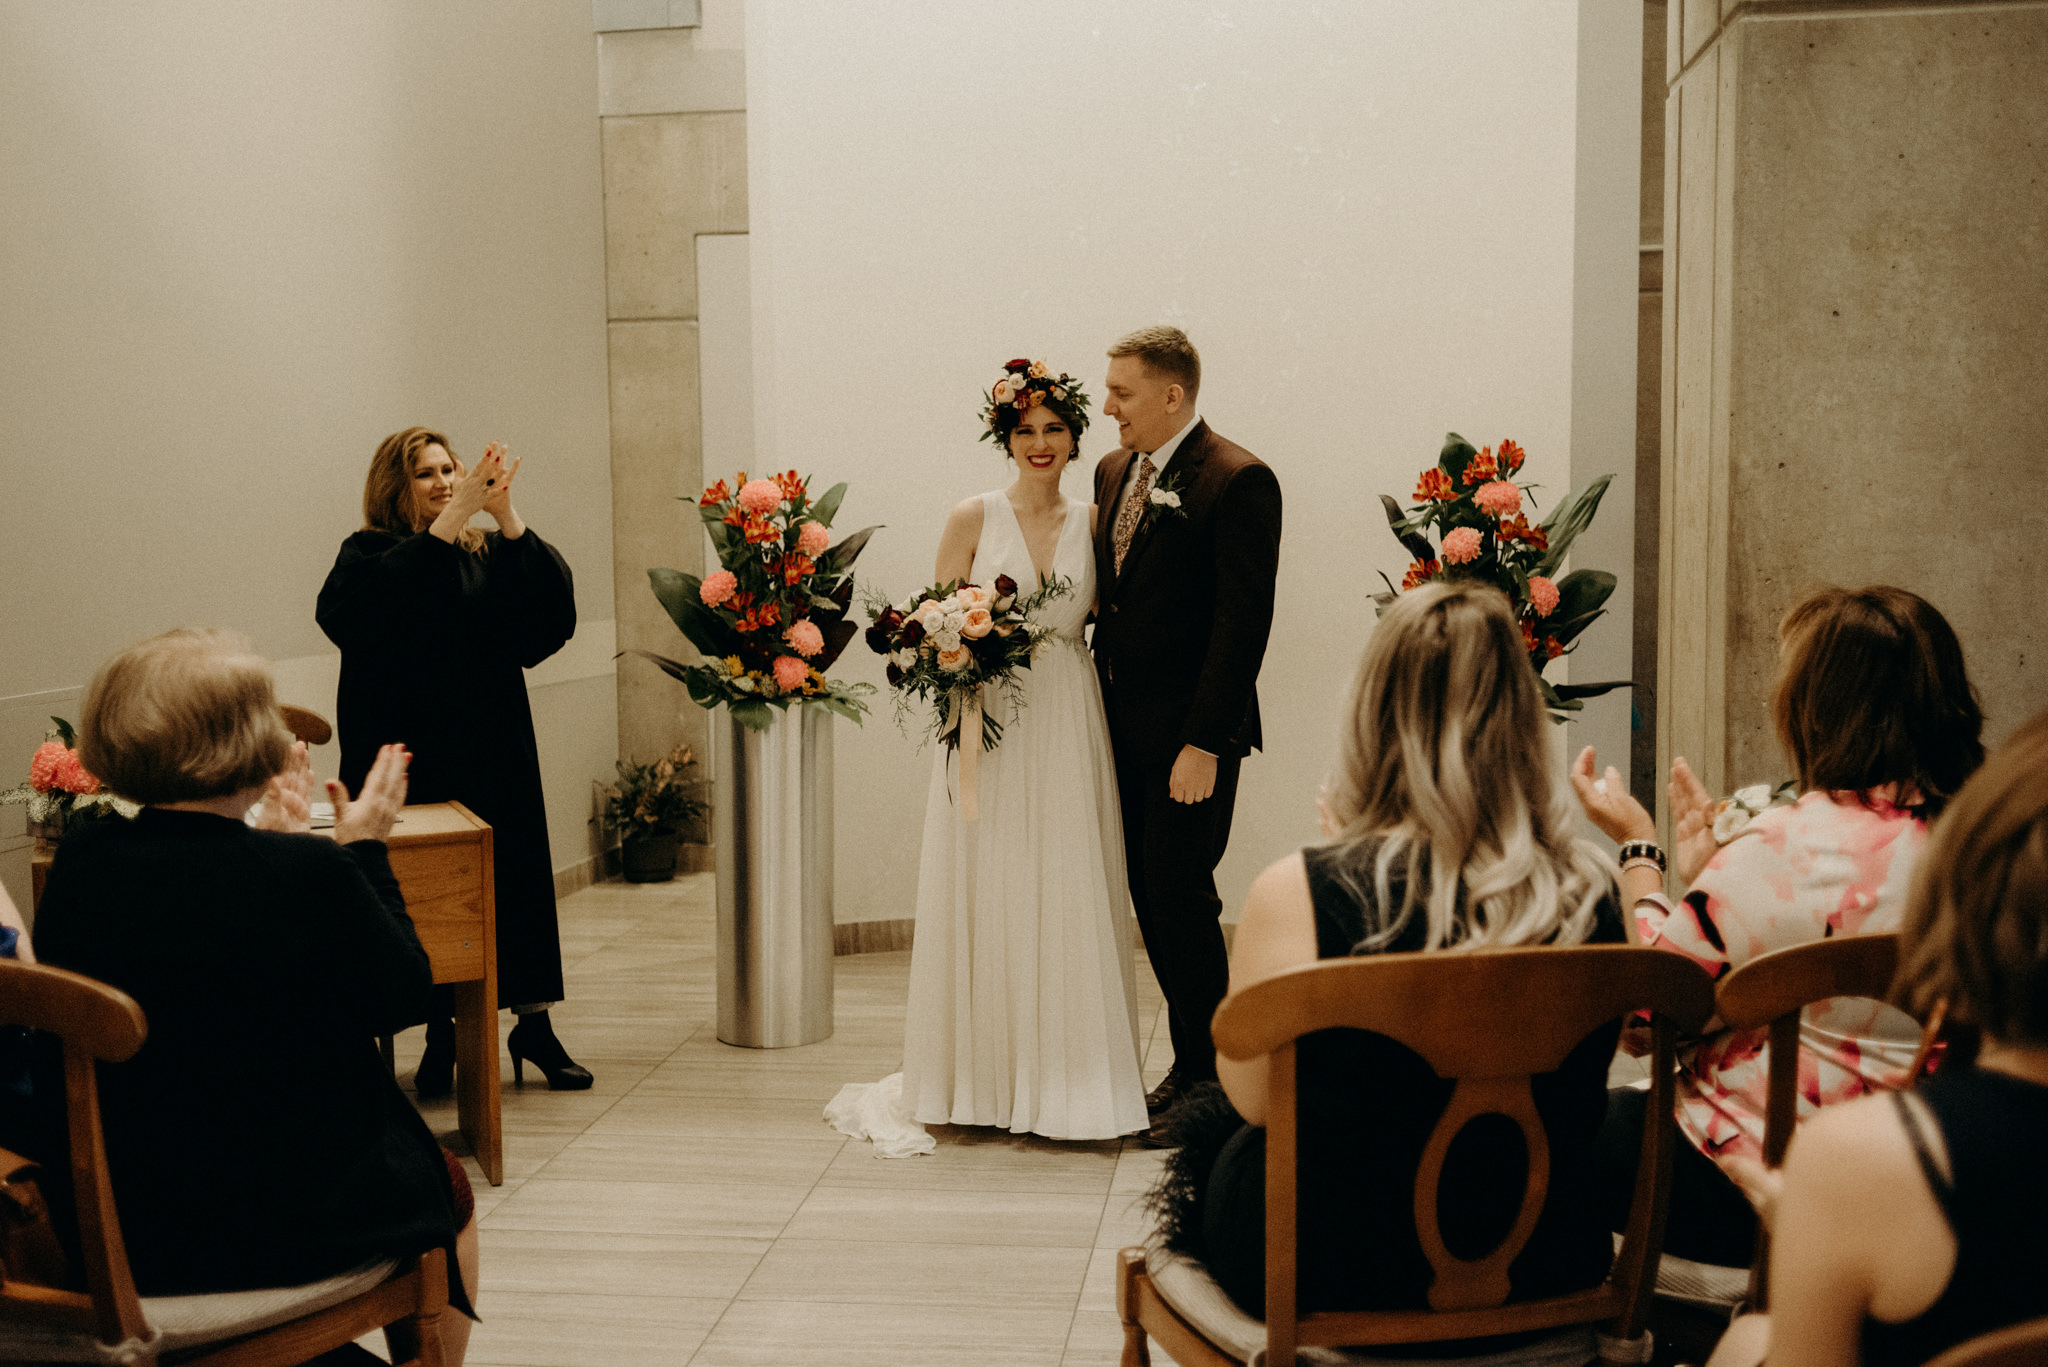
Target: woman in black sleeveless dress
x,y
1450,827
1910,1222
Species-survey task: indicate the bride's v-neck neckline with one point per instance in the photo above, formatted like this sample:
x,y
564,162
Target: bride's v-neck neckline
x,y
1045,575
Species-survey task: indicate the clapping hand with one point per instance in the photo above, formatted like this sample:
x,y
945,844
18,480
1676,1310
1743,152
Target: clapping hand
x,y
497,481
287,803
374,811
1608,803
1692,822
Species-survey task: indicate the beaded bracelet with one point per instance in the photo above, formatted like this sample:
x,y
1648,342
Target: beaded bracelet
x,y
1641,852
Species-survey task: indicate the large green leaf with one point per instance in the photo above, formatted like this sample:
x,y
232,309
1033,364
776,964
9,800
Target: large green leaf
x,y
1570,691
1566,630
1581,592
826,506
1572,515
753,714
1456,453
839,559
705,629
838,635
1416,544
675,669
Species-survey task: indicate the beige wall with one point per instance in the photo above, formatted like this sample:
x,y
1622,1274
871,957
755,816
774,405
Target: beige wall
x,y
1855,339
238,245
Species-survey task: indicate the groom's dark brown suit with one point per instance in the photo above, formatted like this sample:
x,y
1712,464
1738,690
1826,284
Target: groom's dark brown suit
x,y
1179,637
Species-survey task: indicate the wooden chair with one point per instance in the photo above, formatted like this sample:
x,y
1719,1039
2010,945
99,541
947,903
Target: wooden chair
x,y
308,725
108,1322
2020,1345
1491,1020
1772,990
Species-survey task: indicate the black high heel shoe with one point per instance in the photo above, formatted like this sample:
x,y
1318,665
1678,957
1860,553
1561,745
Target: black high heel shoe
x,y
436,1074
533,1041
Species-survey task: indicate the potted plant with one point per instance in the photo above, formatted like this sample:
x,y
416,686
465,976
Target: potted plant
x,y
647,807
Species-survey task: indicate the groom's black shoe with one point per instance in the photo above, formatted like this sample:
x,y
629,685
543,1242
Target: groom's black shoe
x,y
1161,1099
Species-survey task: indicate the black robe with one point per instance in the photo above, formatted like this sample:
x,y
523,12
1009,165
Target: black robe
x,y
432,640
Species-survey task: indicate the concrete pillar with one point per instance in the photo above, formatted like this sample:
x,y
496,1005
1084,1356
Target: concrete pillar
x,y
675,166
1855,344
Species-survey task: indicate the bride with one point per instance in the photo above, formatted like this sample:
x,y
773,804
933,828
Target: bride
x,y
1021,1011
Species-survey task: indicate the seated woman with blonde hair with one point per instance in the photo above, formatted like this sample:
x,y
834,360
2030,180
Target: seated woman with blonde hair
x,y
1450,829
1914,1221
255,1139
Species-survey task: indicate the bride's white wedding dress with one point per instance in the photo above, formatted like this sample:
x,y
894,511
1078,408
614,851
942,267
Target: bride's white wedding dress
x,y
1021,1013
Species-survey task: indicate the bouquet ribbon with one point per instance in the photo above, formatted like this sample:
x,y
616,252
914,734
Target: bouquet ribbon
x,y
963,716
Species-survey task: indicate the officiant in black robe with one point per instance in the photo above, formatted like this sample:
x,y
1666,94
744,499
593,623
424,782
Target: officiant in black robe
x,y
436,622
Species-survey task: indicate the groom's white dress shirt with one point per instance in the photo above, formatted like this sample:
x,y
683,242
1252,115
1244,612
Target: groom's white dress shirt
x,y
1160,458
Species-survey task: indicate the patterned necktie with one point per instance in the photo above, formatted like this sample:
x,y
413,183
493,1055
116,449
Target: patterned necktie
x,y
1133,509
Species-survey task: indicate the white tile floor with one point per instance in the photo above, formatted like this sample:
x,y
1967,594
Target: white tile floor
x,y
693,1207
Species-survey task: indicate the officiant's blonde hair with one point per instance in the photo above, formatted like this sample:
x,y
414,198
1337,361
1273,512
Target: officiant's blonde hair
x,y
1445,772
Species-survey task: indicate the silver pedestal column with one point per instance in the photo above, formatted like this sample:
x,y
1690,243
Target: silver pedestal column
x,y
771,828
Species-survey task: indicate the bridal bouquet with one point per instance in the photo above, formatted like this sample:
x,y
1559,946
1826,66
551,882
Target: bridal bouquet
x,y
1471,500
772,618
948,641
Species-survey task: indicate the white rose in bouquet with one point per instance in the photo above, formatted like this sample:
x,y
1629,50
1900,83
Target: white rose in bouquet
x,y
945,639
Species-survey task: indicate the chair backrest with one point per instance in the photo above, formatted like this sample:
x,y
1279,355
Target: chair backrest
x,y
308,725
1490,1020
1772,989
94,1023
2020,1345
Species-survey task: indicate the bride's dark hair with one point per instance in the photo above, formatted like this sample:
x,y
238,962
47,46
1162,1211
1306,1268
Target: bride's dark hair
x,y
1026,385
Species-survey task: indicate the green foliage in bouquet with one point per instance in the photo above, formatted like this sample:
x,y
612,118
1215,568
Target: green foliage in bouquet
x,y
1471,501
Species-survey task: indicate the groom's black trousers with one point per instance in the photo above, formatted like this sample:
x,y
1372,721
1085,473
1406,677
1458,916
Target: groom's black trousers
x,y
1172,849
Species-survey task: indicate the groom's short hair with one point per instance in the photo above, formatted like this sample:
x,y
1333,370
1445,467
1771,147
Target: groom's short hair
x,y
1168,351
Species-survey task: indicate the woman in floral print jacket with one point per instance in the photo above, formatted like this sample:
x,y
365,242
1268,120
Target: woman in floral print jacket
x,y
1881,723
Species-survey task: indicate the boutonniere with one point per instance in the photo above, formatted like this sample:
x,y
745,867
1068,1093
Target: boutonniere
x,y
1163,500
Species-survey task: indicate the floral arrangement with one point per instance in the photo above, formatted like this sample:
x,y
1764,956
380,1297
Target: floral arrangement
x,y
1027,384
651,797
945,642
59,788
1471,500
772,618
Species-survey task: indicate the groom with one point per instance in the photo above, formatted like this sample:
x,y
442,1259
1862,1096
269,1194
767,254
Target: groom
x,y
1186,550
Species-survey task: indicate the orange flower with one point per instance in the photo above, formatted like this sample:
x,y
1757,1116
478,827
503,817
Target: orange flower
x,y
794,567
1517,528
1420,572
1511,457
717,493
1434,487
758,529
791,484
734,518
1481,468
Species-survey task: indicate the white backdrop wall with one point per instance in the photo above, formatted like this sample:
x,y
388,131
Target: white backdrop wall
x,y
1363,214
239,244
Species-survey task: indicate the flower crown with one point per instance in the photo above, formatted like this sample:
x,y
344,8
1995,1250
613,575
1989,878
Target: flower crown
x,y
1027,384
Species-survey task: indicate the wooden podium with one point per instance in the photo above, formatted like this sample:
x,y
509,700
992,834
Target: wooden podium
x,y
441,853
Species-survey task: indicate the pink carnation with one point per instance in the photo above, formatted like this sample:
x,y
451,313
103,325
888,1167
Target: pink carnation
x,y
1461,546
790,672
760,497
1542,595
805,639
813,539
73,777
1501,498
718,587
42,766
